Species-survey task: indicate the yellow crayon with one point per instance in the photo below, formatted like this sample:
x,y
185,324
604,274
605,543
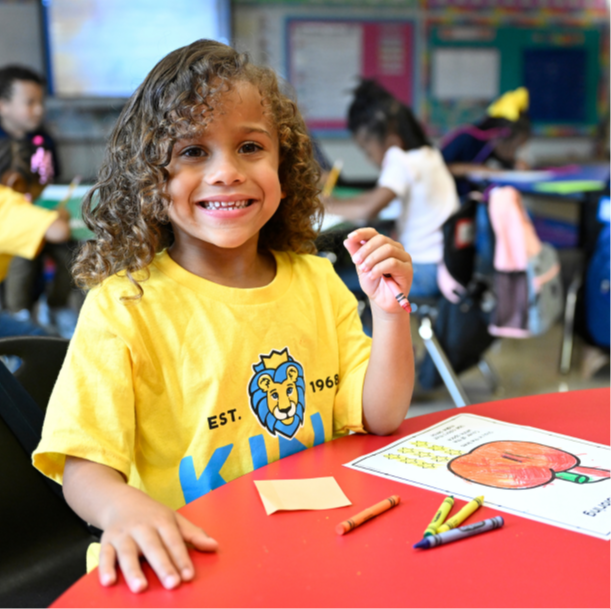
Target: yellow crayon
x,y
440,516
332,178
462,515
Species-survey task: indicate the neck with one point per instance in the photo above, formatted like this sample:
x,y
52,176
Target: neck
x,y
241,267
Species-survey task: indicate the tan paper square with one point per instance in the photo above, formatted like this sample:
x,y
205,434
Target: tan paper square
x,y
306,494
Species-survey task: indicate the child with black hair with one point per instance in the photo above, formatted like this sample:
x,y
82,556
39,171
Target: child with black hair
x,y
490,144
24,228
412,170
22,109
211,341
21,122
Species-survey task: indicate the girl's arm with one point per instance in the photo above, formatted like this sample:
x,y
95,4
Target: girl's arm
x,y
460,170
389,380
133,525
365,206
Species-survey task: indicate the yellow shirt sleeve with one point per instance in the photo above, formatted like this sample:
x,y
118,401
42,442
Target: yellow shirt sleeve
x,y
91,413
22,227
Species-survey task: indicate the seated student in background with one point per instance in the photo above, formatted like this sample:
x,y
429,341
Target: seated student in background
x,y
492,143
21,116
23,230
209,329
412,170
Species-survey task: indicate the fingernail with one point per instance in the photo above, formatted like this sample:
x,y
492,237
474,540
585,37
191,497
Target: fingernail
x,y
357,259
187,573
363,268
137,585
170,581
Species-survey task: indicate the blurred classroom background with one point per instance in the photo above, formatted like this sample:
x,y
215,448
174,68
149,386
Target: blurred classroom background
x,y
447,59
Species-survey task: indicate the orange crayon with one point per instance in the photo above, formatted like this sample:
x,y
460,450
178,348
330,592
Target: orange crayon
x,y
368,514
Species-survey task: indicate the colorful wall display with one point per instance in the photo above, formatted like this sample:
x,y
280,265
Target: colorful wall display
x,y
559,65
326,57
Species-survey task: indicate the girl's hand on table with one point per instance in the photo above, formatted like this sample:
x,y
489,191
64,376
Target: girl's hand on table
x,y
375,256
141,526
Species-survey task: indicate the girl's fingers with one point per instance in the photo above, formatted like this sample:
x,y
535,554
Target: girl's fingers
x,y
359,254
158,556
379,249
106,568
393,268
177,549
196,536
356,239
129,561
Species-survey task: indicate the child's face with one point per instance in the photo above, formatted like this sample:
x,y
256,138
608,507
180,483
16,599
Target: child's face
x,y
224,184
24,111
372,146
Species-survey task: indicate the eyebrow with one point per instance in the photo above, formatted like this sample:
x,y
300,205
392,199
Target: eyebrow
x,y
256,130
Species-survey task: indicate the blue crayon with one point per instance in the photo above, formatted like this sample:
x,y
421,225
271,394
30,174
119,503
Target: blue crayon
x,y
461,532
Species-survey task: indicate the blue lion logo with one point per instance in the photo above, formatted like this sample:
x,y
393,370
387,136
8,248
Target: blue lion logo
x,y
277,393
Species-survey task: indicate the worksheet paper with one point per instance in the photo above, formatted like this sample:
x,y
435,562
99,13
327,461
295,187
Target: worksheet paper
x,y
530,472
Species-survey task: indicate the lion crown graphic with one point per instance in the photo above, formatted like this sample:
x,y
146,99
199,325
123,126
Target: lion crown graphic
x,y
277,393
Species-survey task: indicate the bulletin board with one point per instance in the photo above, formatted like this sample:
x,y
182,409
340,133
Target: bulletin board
x,y
560,65
325,58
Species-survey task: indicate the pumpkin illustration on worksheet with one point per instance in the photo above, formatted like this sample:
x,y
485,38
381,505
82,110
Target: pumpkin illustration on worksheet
x,y
522,465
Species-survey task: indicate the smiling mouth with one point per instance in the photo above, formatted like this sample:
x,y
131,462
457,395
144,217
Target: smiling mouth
x,y
225,204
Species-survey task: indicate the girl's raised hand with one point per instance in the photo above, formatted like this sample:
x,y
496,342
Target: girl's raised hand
x,y
376,256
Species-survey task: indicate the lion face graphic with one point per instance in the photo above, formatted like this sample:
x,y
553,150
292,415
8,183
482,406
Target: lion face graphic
x,y
277,393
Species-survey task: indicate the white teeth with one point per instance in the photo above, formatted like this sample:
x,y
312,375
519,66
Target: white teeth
x,y
225,204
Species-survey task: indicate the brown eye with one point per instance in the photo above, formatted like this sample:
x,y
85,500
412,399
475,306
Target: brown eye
x,y
193,151
250,147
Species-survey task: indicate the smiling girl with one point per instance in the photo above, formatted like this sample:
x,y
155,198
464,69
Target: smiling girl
x,y
212,341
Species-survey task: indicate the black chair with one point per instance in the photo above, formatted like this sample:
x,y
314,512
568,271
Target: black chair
x,y
42,357
43,545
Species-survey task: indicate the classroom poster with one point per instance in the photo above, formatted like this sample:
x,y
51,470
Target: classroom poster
x,y
529,472
326,58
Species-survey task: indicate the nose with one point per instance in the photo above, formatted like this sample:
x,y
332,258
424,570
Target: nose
x,y
224,170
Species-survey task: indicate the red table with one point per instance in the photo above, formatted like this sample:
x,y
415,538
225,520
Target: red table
x,y
295,559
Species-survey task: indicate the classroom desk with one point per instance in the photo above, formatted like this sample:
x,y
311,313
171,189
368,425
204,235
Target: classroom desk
x,y
570,182
295,559
577,184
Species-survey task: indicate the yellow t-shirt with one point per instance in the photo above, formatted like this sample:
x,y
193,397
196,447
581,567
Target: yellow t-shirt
x,y
22,227
198,383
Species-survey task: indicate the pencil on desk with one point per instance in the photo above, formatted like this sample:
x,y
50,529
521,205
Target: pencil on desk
x,y
75,182
332,178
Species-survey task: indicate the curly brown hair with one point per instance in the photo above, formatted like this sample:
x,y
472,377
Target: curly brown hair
x,y
127,207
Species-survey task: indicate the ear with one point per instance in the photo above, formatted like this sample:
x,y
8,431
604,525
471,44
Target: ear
x,y
292,373
264,382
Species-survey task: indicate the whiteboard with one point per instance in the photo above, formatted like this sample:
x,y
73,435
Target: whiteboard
x,y
105,48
